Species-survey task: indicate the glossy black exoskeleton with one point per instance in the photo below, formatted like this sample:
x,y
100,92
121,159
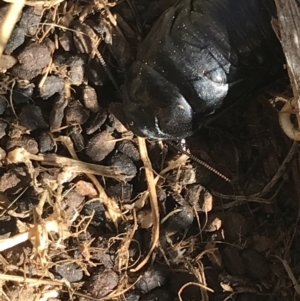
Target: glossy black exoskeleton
x,y
200,57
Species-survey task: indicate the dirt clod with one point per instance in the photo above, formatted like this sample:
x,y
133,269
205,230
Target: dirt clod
x,y
57,113
16,39
13,180
86,189
69,271
3,104
129,149
125,164
96,121
32,60
233,262
102,283
31,117
90,99
46,142
96,211
100,146
53,84
24,141
76,113
256,264
155,276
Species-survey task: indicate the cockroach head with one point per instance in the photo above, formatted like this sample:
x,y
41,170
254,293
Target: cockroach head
x,y
154,107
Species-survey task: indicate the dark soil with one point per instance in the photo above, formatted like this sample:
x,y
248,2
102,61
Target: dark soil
x,y
72,179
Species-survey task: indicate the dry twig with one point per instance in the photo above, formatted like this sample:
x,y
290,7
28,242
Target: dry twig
x,y
153,201
289,24
20,155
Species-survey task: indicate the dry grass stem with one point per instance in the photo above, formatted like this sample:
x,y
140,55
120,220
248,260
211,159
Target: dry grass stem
x,y
50,225
114,211
291,275
153,201
20,155
31,281
45,3
202,287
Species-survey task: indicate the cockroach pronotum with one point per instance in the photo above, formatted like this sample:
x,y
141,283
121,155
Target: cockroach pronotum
x,y
200,57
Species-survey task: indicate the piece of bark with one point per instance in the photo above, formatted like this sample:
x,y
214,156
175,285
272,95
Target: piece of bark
x,y
288,12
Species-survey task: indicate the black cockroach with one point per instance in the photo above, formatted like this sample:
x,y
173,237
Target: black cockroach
x,y
200,57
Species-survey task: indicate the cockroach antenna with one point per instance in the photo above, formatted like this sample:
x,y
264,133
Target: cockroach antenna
x,y
134,10
107,70
199,161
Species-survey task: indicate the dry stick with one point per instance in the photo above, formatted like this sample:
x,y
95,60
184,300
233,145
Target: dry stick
x,y
193,284
290,274
280,171
9,22
289,24
7,277
258,196
181,160
20,155
111,206
17,239
75,166
153,201
45,3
